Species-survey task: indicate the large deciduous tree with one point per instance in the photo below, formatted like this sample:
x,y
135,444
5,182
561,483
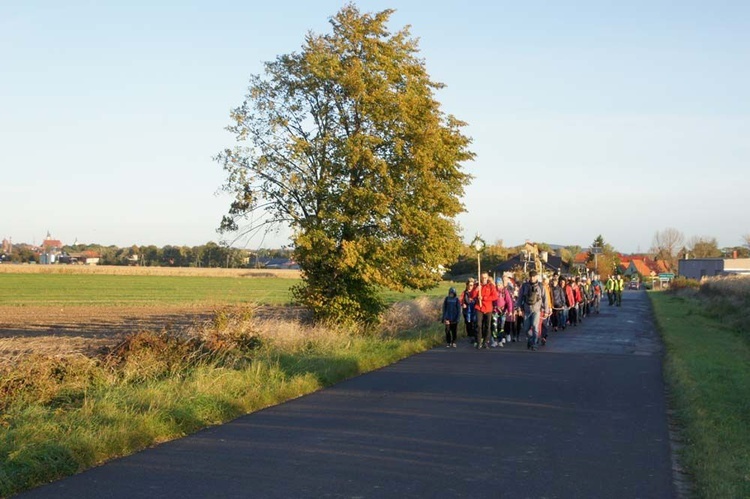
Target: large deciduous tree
x,y
667,243
346,143
704,247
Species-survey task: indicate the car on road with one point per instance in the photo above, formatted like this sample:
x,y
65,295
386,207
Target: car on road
x,y
634,285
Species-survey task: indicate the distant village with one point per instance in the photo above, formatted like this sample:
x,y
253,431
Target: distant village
x,y
52,251
550,259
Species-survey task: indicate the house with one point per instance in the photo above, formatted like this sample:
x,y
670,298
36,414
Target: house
x,y
86,257
579,264
698,268
639,266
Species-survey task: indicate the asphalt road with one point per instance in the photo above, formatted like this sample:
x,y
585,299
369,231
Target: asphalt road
x,y
584,417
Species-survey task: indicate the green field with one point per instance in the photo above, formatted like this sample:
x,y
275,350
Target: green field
x,y
708,370
134,290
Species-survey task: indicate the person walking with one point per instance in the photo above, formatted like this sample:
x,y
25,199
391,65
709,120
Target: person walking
x,y
532,301
508,317
610,286
559,316
546,319
619,286
451,317
570,300
499,314
468,305
596,285
486,296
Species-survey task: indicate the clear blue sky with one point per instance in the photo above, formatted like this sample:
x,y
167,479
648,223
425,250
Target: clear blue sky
x,y
588,117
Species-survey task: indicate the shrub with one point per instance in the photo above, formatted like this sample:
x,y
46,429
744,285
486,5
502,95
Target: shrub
x,y
679,283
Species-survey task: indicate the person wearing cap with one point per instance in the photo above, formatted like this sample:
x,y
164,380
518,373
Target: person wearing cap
x,y
533,302
451,317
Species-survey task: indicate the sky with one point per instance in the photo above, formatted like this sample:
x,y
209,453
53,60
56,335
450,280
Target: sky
x,y
587,117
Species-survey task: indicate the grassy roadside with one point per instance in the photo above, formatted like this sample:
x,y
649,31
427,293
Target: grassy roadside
x,y
708,370
58,417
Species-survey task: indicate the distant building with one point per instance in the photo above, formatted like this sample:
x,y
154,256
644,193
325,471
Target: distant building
x,y
86,257
698,268
51,250
531,258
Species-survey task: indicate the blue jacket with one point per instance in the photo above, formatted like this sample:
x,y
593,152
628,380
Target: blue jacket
x,y
451,307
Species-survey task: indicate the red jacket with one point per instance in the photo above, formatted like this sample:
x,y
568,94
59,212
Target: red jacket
x,y
489,295
578,294
571,299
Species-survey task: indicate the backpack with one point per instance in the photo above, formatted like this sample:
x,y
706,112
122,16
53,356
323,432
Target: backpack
x,y
533,294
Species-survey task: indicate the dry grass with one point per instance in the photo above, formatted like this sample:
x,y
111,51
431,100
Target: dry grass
x,y
738,286
235,325
148,271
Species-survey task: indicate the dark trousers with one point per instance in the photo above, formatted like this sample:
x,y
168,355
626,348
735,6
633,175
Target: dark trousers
x,y
471,326
618,293
573,315
483,326
610,297
558,318
451,332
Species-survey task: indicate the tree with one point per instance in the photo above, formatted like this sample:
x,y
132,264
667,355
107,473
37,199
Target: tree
x,y
598,243
346,143
704,247
604,262
746,239
666,244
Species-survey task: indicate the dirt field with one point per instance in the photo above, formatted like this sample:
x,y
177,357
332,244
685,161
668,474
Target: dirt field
x,y
88,330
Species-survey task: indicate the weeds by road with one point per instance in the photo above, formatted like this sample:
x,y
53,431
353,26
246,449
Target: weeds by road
x,y
60,416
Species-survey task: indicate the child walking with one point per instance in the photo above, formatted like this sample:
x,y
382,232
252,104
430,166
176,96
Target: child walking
x,y
451,316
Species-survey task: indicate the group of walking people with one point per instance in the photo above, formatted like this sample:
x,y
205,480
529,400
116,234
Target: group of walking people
x,y
501,312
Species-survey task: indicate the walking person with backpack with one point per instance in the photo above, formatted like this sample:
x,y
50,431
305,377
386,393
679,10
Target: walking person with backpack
x,y
533,302
451,317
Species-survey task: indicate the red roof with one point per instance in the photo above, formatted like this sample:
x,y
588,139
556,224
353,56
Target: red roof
x,y
660,267
51,243
641,266
581,257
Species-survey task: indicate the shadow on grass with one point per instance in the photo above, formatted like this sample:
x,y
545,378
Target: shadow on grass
x,y
327,369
